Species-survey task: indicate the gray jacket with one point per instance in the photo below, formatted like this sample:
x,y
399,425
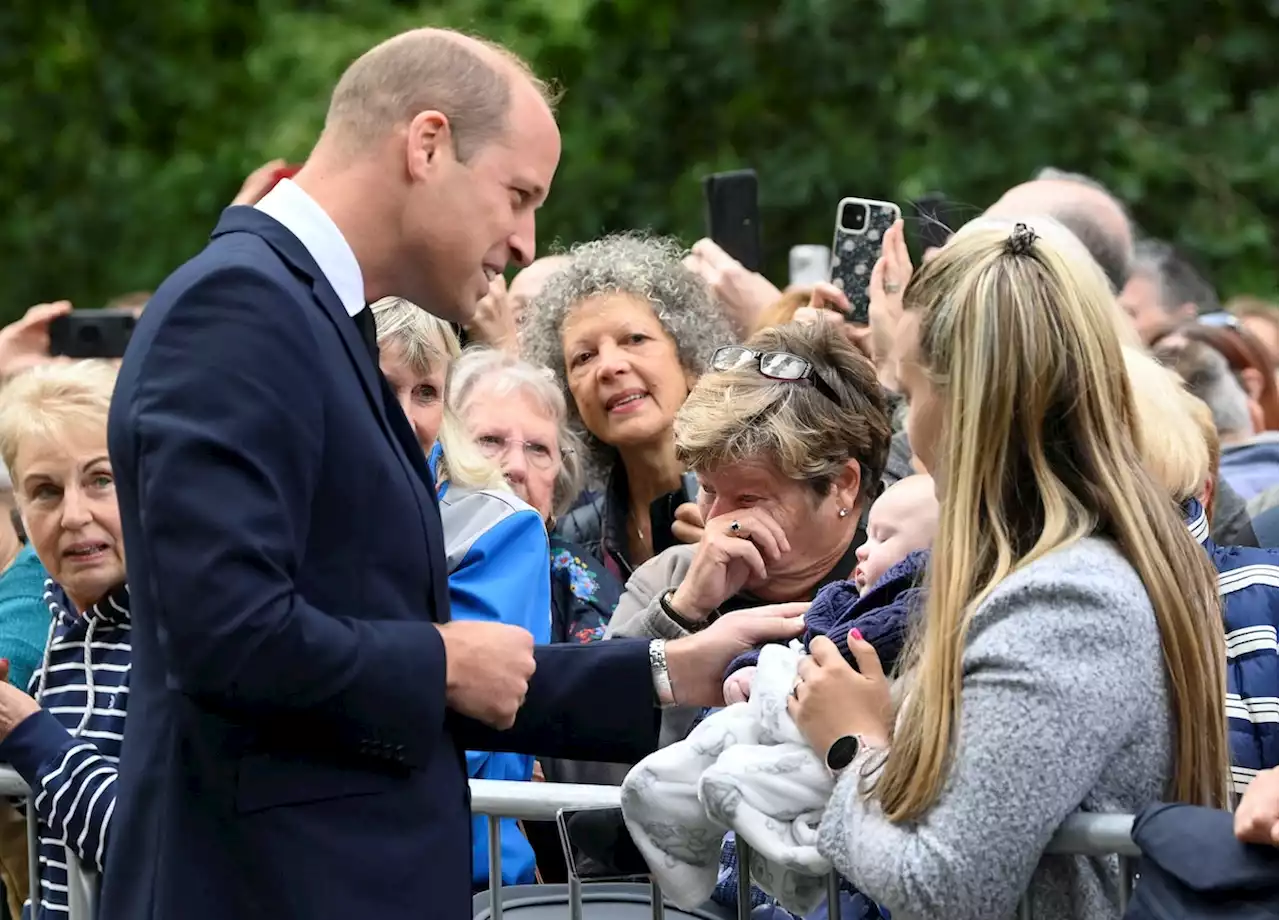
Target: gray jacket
x,y
1064,710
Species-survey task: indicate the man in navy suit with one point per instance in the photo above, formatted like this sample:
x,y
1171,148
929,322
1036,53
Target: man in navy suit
x,y
301,699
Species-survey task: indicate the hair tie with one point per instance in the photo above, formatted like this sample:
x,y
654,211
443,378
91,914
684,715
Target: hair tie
x,y
1020,240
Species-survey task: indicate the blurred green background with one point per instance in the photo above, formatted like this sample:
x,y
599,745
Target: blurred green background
x,y
125,127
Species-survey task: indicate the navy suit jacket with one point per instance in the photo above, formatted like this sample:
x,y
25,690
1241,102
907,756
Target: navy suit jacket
x,y
289,753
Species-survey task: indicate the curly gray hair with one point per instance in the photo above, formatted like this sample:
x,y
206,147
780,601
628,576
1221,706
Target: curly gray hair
x,y
645,267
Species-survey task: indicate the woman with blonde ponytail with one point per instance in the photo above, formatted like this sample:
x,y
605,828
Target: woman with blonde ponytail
x,y
1070,655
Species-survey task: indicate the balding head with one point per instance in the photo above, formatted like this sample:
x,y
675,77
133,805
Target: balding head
x,y
1084,207
468,80
528,283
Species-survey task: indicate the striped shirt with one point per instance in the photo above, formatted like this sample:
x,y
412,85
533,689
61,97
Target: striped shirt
x,y
1249,585
68,752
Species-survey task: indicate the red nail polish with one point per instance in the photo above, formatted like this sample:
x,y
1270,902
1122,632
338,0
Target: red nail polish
x,y
856,634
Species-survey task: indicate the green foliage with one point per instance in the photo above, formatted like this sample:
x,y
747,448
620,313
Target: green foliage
x,y
124,128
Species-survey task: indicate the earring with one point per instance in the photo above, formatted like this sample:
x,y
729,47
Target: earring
x,y
844,512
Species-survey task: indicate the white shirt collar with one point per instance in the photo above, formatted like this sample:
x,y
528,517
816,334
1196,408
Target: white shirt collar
x,y
305,219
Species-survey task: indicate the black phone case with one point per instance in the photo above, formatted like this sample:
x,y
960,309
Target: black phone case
x,y
854,254
92,333
733,214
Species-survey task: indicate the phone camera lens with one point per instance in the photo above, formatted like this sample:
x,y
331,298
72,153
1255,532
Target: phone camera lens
x,y
854,217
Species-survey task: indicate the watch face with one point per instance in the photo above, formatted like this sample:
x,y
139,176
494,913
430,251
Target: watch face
x,y
842,752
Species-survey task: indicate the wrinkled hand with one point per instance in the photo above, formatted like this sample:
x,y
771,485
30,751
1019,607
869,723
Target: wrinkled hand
x,y
697,662
15,706
24,343
832,700
494,323
889,279
725,562
259,182
688,525
829,304
743,294
1258,815
487,671
737,686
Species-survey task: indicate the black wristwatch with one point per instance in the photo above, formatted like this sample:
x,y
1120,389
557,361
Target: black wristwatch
x,y
842,752
688,625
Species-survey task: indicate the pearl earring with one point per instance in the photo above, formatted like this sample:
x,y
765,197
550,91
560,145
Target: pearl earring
x,y
844,512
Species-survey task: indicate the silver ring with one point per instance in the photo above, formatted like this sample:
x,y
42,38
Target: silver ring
x,y
734,528
892,287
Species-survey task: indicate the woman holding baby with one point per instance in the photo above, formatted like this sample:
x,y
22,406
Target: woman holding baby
x,y
1069,656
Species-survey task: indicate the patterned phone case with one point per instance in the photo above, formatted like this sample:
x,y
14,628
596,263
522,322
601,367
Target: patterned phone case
x,y
854,252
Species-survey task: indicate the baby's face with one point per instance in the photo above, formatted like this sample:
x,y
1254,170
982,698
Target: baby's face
x,y
902,521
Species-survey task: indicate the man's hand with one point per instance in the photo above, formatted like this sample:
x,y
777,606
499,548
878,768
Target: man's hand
x,y
1258,815
15,706
696,663
25,342
487,671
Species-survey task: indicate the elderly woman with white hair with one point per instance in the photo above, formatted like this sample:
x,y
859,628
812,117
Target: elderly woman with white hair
x,y
516,414
64,738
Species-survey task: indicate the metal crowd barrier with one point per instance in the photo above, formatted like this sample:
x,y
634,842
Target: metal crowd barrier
x,y
1083,835
1080,835
82,882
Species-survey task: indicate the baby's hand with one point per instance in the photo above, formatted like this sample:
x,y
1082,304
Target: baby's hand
x,y
737,688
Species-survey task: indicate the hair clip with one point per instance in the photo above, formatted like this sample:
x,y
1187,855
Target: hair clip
x,y
1020,240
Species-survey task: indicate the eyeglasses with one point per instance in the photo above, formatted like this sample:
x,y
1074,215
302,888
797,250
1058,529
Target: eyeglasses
x,y
776,365
537,455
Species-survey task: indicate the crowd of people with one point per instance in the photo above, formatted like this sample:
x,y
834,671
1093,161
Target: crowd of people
x,y
1029,510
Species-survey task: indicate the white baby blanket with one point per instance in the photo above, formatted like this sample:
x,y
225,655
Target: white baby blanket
x,y
745,768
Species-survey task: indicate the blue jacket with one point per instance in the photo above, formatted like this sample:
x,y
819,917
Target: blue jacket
x,y
67,752
24,616
1249,584
496,547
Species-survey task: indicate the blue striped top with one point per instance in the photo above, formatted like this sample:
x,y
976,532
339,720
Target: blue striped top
x,y
67,753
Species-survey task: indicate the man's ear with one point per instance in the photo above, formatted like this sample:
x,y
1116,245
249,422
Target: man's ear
x,y
428,143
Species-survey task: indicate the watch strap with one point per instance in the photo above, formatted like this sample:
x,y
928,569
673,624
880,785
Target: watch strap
x,y
688,625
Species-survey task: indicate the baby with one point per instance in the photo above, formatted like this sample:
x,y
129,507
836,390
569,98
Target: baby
x,y
900,528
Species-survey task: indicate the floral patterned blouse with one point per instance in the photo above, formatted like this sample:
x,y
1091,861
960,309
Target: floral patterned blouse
x,y
583,593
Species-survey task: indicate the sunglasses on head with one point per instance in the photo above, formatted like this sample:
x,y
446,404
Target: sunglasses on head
x,y
776,365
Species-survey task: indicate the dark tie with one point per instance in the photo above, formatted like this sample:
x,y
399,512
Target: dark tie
x,y
368,327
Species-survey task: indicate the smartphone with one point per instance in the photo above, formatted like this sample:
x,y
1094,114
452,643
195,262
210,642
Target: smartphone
x,y
733,214
662,512
807,265
101,333
598,847
935,222
860,227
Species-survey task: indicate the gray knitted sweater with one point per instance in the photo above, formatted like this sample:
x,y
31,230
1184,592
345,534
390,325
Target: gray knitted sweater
x,y
1064,709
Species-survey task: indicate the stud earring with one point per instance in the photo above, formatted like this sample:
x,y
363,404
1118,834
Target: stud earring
x,y
844,512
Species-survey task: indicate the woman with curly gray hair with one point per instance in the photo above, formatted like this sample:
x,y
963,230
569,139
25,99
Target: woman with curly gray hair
x,y
628,329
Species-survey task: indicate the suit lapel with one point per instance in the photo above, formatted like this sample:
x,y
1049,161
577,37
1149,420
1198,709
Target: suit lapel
x,y
382,401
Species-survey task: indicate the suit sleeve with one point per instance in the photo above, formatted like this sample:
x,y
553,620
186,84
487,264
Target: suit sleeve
x,y
585,702
228,427
75,785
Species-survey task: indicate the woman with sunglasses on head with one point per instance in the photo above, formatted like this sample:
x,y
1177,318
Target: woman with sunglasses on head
x,y
788,436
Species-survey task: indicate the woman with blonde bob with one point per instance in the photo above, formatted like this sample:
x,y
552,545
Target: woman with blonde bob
x,y
1070,657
